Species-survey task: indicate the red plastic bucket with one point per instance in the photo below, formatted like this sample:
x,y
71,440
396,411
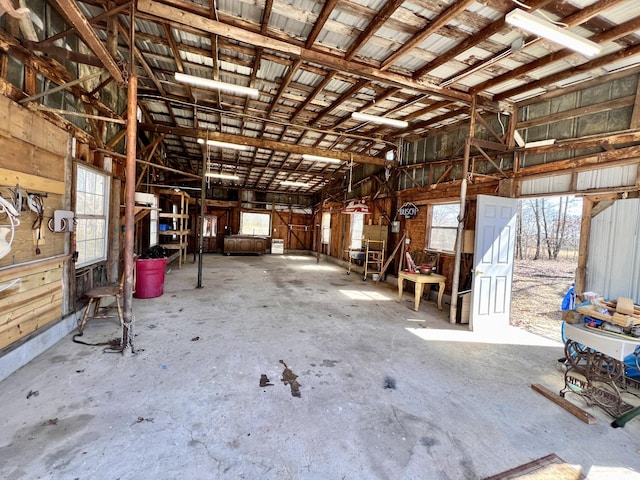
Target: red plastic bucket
x,y
150,277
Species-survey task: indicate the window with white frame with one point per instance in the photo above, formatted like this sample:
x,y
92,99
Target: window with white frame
x,y
444,225
357,222
252,223
326,227
92,209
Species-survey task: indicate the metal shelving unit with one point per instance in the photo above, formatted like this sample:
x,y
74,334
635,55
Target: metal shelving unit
x,y
178,235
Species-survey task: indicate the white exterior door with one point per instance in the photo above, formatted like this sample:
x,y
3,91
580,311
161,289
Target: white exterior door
x,y
493,262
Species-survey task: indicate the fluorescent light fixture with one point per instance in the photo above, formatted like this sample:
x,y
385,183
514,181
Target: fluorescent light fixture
x,y
225,176
317,158
544,28
215,143
215,85
365,117
294,184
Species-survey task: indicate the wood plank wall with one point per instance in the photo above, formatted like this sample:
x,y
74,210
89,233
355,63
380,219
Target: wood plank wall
x,y
33,156
296,229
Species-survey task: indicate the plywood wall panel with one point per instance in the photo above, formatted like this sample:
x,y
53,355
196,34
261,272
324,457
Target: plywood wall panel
x,y
33,300
18,122
33,156
25,158
24,248
40,313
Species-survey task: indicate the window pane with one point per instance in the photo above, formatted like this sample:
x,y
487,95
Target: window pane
x,y
326,227
91,182
81,180
92,189
357,221
445,215
443,239
255,223
100,186
444,225
81,201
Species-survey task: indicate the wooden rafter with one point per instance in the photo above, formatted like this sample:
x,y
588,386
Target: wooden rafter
x,y
320,22
205,24
261,143
608,36
385,12
86,32
473,40
570,72
441,20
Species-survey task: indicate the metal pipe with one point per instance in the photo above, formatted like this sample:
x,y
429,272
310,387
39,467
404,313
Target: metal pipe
x,y
453,313
203,192
126,343
129,213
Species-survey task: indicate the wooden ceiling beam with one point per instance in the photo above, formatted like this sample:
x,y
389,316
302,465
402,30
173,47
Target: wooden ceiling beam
x,y
260,143
88,35
608,36
109,13
325,81
320,22
356,68
383,15
285,83
472,41
266,15
432,27
342,98
569,72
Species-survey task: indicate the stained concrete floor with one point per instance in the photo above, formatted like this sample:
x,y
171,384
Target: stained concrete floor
x,y
188,404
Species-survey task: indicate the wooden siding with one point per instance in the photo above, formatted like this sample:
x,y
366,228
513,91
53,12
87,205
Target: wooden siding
x,y
34,301
32,156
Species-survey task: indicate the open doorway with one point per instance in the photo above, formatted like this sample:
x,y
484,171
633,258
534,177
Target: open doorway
x,y
545,261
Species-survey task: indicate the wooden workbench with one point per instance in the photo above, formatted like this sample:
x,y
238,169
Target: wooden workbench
x,y
420,280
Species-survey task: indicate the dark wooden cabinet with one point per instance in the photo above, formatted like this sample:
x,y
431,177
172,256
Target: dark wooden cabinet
x,y
245,244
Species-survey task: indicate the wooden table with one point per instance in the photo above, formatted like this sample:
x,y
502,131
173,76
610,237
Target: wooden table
x,y
420,280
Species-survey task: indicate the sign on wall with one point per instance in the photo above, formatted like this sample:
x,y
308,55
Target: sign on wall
x,y
408,210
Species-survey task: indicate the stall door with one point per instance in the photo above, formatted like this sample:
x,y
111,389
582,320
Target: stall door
x,y
493,262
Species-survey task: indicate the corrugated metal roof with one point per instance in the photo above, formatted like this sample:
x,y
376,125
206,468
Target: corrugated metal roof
x,y
283,41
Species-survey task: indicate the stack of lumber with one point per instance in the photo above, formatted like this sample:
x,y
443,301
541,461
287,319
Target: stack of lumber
x,y
621,312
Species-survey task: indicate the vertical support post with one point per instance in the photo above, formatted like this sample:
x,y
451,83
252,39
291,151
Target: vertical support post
x,y
319,216
126,343
129,204
453,313
583,249
203,191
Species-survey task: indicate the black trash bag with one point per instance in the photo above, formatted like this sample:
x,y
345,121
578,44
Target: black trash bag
x,y
155,252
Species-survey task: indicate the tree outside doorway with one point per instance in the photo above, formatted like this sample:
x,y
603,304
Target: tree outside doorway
x,y
545,261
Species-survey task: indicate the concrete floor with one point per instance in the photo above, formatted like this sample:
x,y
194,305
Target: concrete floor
x,y
188,405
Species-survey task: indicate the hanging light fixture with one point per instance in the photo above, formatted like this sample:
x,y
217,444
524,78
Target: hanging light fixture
x,y
546,29
317,158
224,176
215,143
392,122
294,184
216,85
